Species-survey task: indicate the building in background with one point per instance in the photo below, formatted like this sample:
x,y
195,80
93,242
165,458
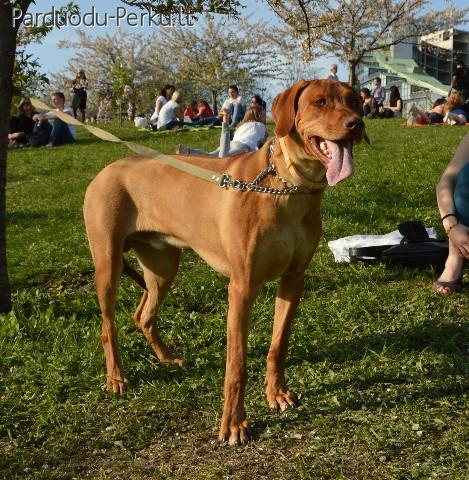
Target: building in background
x,y
421,68
438,53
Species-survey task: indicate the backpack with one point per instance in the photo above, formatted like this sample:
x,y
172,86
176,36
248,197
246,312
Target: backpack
x,y
416,249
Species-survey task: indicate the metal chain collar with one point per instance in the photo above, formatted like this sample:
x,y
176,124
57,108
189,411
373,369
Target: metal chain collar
x,y
254,186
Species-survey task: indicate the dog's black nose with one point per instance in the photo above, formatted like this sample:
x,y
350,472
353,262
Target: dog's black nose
x,y
354,124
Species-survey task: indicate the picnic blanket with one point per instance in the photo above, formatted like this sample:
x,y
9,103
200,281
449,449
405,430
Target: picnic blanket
x,y
183,129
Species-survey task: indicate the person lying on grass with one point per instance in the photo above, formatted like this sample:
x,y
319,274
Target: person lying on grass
x,y
452,194
61,133
434,115
248,137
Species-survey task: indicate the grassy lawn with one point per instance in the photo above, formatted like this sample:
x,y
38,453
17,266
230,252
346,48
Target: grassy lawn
x,y
379,361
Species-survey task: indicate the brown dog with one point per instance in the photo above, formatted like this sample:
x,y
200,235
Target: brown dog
x,y
140,204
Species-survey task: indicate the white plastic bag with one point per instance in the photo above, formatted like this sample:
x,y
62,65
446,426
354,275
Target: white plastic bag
x,y
141,122
340,247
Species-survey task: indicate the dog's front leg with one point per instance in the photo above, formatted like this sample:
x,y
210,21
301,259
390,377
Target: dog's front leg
x,y
287,299
234,426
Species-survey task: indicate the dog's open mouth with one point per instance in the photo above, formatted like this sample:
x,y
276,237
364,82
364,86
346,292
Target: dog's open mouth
x,y
336,157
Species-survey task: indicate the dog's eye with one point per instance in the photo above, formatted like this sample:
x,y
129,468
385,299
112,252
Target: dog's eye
x,y
320,102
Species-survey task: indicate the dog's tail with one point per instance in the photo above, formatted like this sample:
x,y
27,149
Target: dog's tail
x,y
133,274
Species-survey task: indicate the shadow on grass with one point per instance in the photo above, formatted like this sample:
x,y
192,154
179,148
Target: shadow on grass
x,y
18,218
344,275
448,338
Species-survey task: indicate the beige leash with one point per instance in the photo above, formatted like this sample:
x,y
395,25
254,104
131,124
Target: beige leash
x,y
209,175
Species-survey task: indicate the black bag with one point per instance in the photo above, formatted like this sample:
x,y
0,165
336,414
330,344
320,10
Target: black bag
x,y
387,113
416,249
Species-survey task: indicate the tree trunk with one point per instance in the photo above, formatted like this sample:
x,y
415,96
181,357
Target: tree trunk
x,y
7,55
214,102
352,78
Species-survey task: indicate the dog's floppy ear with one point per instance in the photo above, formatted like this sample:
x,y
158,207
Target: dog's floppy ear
x,y
284,108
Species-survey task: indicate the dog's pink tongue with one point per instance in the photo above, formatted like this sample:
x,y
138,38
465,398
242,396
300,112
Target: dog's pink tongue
x,y
341,165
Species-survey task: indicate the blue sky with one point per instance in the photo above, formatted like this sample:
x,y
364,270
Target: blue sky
x,y
53,60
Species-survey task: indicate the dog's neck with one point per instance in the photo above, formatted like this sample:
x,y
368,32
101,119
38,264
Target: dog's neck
x,y
296,166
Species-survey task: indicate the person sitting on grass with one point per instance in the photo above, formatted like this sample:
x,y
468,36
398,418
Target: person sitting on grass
x,y
191,110
235,105
164,95
61,133
248,137
456,112
171,114
22,126
434,116
369,106
394,107
452,194
256,101
205,115
204,110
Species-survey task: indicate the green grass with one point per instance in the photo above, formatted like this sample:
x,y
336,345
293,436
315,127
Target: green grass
x,y
379,361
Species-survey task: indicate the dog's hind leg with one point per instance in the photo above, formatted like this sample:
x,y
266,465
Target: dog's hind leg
x,y
159,269
108,268
287,299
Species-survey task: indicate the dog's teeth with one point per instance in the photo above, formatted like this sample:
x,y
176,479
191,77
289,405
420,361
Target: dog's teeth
x,y
323,147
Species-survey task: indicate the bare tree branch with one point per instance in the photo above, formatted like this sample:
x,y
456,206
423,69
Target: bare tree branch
x,y
230,8
351,28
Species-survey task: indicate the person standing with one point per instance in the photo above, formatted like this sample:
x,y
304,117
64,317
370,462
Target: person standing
x,y
79,87
379,93
333,74
460,81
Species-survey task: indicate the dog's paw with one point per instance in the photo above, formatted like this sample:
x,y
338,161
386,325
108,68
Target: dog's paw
x,y
235,433
118,384
280,399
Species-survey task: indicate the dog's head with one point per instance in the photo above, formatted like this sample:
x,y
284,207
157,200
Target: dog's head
x,y
322,120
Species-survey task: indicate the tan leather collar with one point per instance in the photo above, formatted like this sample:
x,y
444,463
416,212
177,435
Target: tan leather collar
x,y
299,179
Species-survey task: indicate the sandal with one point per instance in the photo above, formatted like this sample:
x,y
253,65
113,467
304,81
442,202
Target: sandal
x,y
452,287
183,150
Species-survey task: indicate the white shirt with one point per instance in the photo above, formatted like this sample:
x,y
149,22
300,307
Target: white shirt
x,y
239,99
162,101
167,113
52,116
250,134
